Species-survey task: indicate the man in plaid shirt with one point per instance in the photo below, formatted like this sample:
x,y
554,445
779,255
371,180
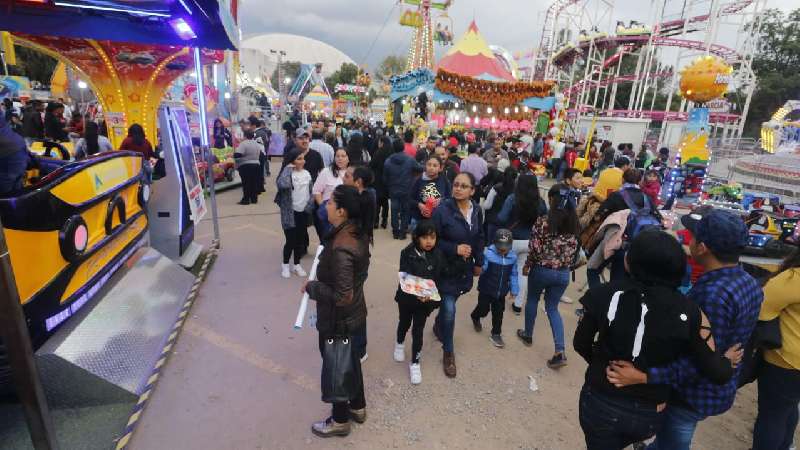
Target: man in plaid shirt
x,y
731,299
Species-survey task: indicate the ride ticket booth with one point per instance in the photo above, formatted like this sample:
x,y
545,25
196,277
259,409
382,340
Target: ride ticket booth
x,y
92,290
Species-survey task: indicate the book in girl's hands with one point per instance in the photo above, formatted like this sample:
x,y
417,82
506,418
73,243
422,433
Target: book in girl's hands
x,y
421,287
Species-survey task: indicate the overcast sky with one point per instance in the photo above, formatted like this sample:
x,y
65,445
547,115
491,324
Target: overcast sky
x,y
353,25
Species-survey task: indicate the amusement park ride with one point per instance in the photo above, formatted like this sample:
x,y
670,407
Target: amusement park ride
x,y
590,69
420,52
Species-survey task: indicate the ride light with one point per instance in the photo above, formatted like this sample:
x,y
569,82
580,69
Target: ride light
x,y
227,95
73,238
182,29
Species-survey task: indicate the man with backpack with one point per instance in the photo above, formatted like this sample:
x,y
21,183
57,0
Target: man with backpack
x,y
731,299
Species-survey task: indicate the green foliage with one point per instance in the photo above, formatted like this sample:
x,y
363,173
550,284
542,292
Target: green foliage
x,y
346,74
777,66
290,69
390,66
33,64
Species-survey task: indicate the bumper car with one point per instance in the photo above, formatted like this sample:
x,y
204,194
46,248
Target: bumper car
x,y
71,227
770,237
223,171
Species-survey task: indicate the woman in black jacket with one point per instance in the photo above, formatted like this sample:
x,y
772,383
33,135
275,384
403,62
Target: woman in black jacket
x,y
422,259
644,321
339,293
459,229
376,164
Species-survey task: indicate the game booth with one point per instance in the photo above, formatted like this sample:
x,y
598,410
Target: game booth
x,y
95,254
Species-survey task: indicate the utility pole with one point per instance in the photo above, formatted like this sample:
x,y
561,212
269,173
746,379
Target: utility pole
x,y
281,85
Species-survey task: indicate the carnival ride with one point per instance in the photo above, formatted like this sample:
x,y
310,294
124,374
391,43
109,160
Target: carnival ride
x,y
590,69
782,132
420,52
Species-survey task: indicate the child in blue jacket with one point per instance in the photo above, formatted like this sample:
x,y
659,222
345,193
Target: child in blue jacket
x,y
498,278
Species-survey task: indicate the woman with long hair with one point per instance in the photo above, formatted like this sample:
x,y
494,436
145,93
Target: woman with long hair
x,y
496,197
339,293
327,180
355,149
779,378
551,254
221,134
296,204
92,142
459,227
136,141
519,213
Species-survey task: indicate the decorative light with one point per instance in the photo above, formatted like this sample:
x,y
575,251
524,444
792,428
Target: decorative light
x,y
227,95
182,29
506,110
493,119
474,108
466,119
525,108
82,84
516,109
287,80
489,110
455,105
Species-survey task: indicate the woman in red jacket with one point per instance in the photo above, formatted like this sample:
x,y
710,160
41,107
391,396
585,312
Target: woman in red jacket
x,y
137,142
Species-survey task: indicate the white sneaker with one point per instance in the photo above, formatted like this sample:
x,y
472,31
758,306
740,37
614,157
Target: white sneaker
x,y
416,373
364,358
399,352
285,271
298,269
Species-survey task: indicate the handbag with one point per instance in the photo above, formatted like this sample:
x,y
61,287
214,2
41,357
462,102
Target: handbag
x,y
340,372
766,336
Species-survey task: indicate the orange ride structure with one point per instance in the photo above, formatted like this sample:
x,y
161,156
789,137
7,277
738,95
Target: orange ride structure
x,y
129,79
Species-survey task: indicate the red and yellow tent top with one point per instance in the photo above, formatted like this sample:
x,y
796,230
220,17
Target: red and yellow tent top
x,y
471,56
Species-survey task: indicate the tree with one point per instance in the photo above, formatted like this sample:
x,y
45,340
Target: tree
x,y
33,64
390,66
775,64
346,74
290,69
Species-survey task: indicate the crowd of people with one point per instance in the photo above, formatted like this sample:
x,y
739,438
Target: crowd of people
x,y
668,337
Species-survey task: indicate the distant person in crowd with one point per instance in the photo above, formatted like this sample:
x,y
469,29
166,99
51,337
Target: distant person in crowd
x,y
323,148
221,135
246,159
339,293
495,200
377,164
779,377
644,320
136,141
314,163
296,205
92,143
356,150
76,123
398,179
54,123
474,164
341,141
495,153
651,186
459,228
421,258
32,123
263,138
450,168
551,255
428,191
427,151
329,178
408,143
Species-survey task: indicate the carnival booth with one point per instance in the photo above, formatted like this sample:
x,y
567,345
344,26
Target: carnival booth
x,y
93,292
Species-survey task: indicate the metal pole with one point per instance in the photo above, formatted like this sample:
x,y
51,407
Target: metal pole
x,y
206,150
5,66
25,375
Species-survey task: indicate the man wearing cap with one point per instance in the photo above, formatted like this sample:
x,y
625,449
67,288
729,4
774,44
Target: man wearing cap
x,y
731,299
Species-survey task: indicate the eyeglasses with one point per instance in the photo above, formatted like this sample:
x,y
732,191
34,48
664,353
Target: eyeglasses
x,y
462,186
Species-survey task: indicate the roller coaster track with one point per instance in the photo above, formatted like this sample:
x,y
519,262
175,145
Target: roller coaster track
x,y
611,80
546,43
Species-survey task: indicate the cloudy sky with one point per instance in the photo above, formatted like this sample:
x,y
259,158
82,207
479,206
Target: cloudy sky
x,y
354,25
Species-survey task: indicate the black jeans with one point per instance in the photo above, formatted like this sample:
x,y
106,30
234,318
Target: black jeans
x,y
296,238
251,185
400,215
497,306
613,423
778,396
382,209
412,316
341,411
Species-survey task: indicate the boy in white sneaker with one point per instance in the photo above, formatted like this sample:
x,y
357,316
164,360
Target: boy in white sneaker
x,y
420,258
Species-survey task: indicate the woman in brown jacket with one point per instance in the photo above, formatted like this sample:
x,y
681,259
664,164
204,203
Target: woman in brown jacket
x,y
339,293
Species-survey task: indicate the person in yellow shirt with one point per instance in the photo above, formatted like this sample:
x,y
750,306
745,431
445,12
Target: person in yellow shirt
x,y
779,379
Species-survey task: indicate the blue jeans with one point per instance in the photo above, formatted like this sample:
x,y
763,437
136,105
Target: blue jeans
x,y
400,214
615,422
446,320
677,430
553,282
12,171
778,396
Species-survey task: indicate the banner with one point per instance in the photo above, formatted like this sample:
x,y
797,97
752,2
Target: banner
x,y
350,88
412,83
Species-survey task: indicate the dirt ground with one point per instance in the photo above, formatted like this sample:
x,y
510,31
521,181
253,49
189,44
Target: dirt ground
x,y
242,378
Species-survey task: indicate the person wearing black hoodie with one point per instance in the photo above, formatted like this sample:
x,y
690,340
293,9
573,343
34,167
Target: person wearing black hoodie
x,y
429,190
398,174
376,164
14,159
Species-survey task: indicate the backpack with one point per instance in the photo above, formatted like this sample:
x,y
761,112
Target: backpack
x,y
640,218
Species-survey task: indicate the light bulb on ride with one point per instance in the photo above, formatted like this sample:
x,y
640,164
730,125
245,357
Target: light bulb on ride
x,y
82,84
489,110
455,105
474,108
